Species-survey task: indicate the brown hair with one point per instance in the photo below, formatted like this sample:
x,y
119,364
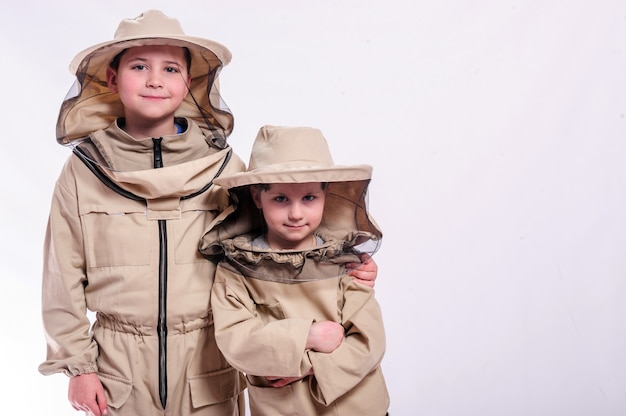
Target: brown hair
x,y
266,186
115,62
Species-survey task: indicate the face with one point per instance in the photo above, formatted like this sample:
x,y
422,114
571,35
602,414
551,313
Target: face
x,y
152,83
292,212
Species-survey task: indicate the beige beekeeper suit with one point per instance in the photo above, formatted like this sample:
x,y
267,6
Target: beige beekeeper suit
x,y
264,301
262,326
122,241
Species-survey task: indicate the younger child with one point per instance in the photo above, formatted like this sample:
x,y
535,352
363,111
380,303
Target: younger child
x,y
286,313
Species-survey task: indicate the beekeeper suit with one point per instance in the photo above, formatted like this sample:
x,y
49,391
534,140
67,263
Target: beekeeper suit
x,y
264,301
122,238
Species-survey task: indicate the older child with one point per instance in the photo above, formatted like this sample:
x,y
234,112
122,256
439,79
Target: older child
x,y
149,130
309,338
149,136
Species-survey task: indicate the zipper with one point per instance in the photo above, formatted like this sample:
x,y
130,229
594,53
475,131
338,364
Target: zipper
x,y
162,322
162,318
162,313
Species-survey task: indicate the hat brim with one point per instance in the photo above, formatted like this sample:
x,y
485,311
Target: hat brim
x,y
93,106
111,48
300,175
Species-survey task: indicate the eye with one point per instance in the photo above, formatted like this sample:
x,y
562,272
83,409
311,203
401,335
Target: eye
x,y
280,198
308,198
172,69
139,67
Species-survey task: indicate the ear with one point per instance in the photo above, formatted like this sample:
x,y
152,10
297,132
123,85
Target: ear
x,y
256,196
112,79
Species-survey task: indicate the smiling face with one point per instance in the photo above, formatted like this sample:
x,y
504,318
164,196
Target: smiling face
x,y
152,83
292,213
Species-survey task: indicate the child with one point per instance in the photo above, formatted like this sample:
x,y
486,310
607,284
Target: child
x,y
129,207
149,130
309,338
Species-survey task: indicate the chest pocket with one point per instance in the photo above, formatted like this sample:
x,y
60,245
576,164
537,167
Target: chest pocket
x,y
118,235
270,312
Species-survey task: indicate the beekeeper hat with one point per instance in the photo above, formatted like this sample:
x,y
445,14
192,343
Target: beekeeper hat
x,y
283,154
90,105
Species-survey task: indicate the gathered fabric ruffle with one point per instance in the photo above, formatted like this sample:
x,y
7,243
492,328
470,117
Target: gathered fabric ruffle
x,y
324,261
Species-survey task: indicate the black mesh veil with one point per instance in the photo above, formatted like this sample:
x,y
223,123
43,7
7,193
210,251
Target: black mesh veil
x,y
90,105
346,234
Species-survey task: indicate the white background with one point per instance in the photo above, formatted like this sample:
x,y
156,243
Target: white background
x,y
496,130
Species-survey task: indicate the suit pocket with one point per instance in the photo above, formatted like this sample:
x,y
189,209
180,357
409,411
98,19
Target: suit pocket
x,y
118,236
215,387
116,390
270,311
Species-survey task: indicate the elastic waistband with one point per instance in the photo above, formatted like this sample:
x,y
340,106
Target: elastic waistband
x,y
114,324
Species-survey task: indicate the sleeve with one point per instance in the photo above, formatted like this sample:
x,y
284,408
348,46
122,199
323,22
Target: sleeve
x,y
70,347
360,352
250,342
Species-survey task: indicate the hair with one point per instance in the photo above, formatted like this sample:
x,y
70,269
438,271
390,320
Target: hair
x,y
266,186
115,62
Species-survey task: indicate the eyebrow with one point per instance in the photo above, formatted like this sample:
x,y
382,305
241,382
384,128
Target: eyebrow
x,y
140,59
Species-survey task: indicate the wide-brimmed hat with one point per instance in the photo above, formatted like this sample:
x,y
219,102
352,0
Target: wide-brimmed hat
x,y
90,105
152,27
283,154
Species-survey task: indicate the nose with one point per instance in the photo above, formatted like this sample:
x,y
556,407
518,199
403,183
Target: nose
x,y
295,211
154,80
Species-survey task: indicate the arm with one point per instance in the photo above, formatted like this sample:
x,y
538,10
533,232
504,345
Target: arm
x,y
71,349
361,351
243,334
365,272
324,336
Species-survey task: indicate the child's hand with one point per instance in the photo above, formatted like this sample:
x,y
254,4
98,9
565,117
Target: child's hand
x,y
87,394
324,336
364,272
283,381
